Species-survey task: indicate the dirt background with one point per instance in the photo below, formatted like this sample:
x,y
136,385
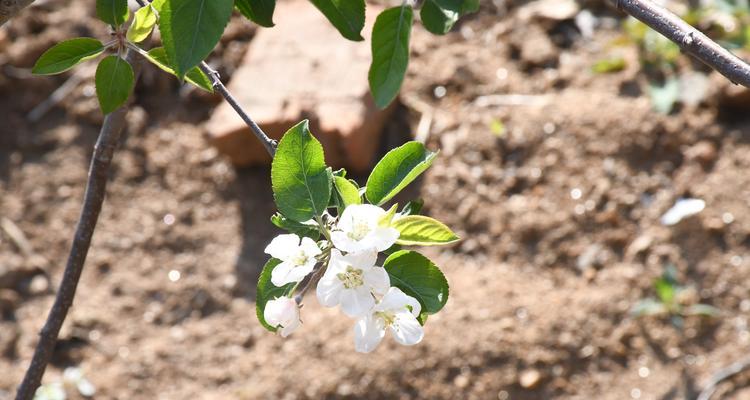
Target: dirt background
x,y
559,215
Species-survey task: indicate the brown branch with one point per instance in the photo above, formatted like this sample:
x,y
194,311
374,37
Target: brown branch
x,y
267,142
690,40
9,9
109,137
722,375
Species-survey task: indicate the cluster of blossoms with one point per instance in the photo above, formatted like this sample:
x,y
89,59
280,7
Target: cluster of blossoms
x,y
351,278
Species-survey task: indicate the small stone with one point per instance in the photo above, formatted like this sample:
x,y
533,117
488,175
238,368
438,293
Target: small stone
x,y
549,10
461,381
704,152
530,378
39,285
535,46
638,246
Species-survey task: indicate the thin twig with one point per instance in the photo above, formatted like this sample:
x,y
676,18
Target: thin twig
x,y
722,375
691,40
267,142
109,137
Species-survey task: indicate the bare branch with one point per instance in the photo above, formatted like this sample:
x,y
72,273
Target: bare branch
x,y
267,142
109,137
691,40
723,374
9,9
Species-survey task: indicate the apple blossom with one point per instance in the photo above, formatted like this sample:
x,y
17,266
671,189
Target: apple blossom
x,y
359,228
351,280
283,313
395,311
297,258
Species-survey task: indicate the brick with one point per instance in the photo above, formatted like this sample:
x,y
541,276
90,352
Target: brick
x,y
303,68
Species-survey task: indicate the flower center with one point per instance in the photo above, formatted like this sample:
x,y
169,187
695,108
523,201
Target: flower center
x,y
352,278
360,229
299,259
388,317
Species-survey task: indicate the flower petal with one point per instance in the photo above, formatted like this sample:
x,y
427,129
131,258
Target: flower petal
x,y
283,246
363,260
383,237
406,329
337,263
298,273
287,330
396,301
342,241
367,212
280,274
378,280
356,302
368,332
309,247
329,290
282,311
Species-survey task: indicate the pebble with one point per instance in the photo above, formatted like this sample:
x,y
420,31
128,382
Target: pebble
x,y
530,378
39,285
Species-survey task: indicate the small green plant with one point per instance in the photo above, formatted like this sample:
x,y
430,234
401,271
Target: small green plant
x,y
673,300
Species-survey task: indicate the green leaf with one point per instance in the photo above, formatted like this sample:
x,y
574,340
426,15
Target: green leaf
x,y
608,65
158,5
412,208
190,29
648,307
307,229
418,277
299,176
390,53
439,20
398,168
114,83
348,16
66,55
195,76
703,310
113,12
267,291
418,230
143,24
469,6
347,190
258,11
665,290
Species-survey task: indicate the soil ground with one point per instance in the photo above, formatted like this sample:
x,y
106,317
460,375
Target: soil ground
x,y
559,215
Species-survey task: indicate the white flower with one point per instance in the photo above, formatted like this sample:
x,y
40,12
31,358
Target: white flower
x,y
351,280
359,229
283,313
396,311
297,259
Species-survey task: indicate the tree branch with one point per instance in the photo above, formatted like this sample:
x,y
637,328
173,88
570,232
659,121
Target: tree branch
x,y
9,9
267,142
722,375
109,137
691,40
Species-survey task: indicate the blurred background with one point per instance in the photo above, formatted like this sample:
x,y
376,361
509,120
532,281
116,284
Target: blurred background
x,y
596,175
